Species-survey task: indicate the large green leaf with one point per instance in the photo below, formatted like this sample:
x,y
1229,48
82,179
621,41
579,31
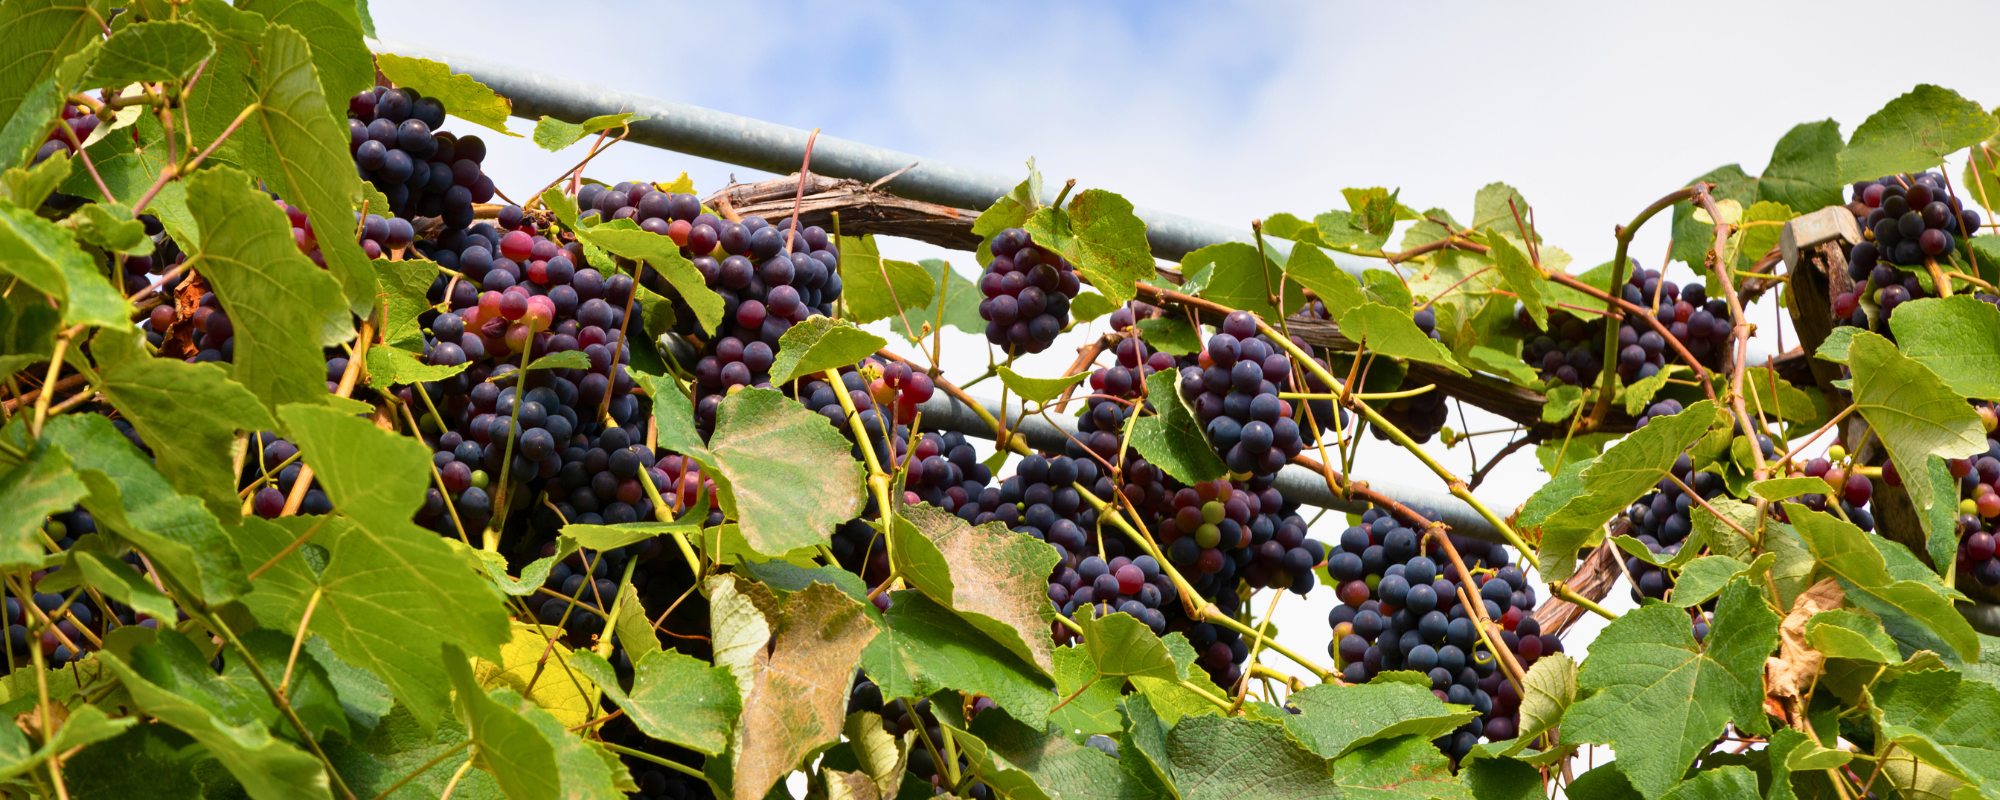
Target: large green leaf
x,y
190,413
1916,414
391,593
266,766
992,577
35,488
1804,171
521,760
1957,337
785,474
1336,720
960,299
1171,438
163,50
47,257
281,305
925,648
298,148
819,344
1024,761
464,97
1845,552
397,748
1404,768
339,55
35,37
1722,783
1659,697
674,698
1334,287
130,497
1237,275
1387,331
1236,758
798,698
1519,275
1947,721
623,237
1913,133
1101,236
584,768
1614,481
878,288
1123,647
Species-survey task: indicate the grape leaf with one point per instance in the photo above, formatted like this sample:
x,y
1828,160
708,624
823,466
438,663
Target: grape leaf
x,y
1804,171
28,187
1171,438
267,287
1775,489
1659,697
521,760
163,50
46,257
1841,633
585,768
1171,335
86,725
397,748
1389,289
1946,720
1520,276
1008,211
925,648
1288,226
391,593
310,691
1844,551
1497,204
464,97
340,57
568,359
535,664
554,135
131,498
121,582
1502,779
1616,480
294,143
1957,337
112,229
1336,720
1039,390
784,473
1176,697
1094,708
1237,275
1913,133
192,412
1789,745
798,699
389,366
819,344
1386,331
624,238
739,614
35,37
1915,413
995,579
1028,762
674,698
1235,758
33,489
1721,783
266,766
1693,237
1334,287
879,288
1101,236
960,299
1403,768
1549,689
407,284
1086,307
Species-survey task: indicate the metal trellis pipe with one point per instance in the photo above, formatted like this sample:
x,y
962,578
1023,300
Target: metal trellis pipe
x,y
767,146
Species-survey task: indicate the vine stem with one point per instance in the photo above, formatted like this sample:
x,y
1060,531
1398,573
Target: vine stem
x,y
664,762
48,716
1740,331
345,389
1256,647
878,480
55,368
503,499
687,551
278,697
1608,377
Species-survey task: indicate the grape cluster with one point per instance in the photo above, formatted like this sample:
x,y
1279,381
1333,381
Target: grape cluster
x,y
1662,521
1234,393
81,619
1571,353
80,121
379,235
1400,610
275,472
1906,220
1027,291
424,172
1420,416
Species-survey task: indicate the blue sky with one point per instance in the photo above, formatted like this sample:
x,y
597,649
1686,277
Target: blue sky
x,y
1233,111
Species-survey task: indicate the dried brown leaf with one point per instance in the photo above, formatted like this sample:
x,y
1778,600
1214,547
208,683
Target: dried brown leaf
x,y
1787,674
997,580
798,702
